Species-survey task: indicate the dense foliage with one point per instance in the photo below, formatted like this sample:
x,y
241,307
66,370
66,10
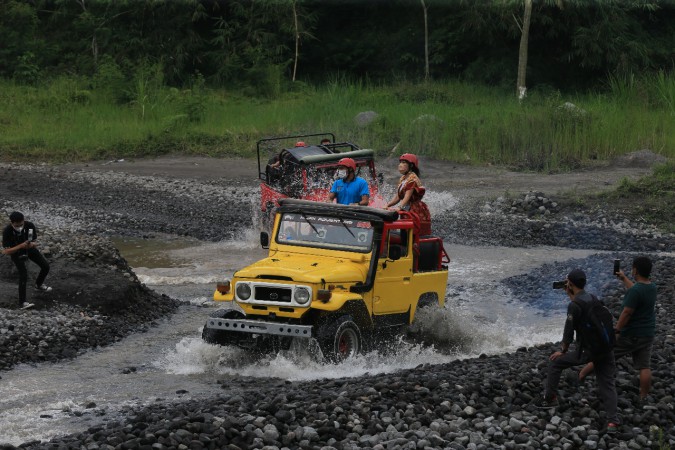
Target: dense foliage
x,y
85,79
251,43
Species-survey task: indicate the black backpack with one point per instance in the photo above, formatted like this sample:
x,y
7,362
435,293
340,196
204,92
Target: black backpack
x,y
596,330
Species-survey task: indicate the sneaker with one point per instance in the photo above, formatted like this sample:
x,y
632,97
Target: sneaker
x,y
612,428
545,403
43,288
26,305
644,401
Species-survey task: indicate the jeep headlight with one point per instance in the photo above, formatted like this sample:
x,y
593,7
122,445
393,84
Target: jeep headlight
x,y
243,291
301,295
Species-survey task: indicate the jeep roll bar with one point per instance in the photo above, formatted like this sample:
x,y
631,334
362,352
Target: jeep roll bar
x,y
281,138
356,155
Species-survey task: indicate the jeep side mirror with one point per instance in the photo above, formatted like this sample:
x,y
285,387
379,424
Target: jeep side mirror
x,y
394,252
264,239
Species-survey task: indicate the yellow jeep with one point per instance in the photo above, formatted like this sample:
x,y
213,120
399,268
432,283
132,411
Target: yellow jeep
x,y
342,275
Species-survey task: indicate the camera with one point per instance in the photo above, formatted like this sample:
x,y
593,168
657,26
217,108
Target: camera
x,y
560,284
617,266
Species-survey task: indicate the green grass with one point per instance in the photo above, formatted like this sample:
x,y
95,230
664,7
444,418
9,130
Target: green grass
x,y
649,199
66,120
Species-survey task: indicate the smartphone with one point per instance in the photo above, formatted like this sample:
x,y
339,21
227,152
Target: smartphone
x,y
617,266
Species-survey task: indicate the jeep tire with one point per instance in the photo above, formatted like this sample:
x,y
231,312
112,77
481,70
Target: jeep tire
x,y
340,339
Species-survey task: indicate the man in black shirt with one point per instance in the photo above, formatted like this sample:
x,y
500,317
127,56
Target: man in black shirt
x,y
19,241
605,367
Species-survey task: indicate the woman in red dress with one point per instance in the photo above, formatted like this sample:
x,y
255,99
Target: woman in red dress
x,y
410,192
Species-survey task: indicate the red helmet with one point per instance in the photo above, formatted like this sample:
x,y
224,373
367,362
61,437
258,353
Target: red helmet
x,y
347,162
300,144
409,158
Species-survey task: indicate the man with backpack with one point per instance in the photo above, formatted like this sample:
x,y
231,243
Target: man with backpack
x,y
636,327
589,321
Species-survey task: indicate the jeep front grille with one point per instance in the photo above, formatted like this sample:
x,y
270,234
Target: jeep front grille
x,y
273,294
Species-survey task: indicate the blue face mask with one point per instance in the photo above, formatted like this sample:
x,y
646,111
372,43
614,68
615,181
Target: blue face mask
x,y
18,229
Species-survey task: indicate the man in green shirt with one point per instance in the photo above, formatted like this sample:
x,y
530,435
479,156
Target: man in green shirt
x,y
636,326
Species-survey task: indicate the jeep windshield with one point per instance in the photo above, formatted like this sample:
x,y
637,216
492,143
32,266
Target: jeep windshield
x,y
312,230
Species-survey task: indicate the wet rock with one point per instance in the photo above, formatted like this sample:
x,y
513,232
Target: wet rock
x,y
365,118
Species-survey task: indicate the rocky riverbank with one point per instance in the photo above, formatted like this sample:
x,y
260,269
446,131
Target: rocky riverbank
x,y
96,300
478,403
481,403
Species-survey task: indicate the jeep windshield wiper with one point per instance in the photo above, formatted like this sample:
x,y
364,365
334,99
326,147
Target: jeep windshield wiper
x,y
348,229
310,223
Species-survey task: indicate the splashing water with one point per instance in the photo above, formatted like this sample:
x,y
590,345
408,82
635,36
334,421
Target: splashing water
x,y
480,316
299,363
437,201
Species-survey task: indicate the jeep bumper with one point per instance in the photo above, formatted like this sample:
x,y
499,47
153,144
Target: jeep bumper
x,y
260,327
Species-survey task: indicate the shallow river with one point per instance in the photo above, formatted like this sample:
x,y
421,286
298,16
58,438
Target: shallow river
x,y
170,362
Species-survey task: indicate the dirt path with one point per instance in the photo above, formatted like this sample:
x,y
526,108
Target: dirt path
x,y
466,181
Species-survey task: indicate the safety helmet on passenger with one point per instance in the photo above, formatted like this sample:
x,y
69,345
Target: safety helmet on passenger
x,y
348,163
409,158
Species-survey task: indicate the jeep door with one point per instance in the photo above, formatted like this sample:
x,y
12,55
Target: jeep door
x,y
393,282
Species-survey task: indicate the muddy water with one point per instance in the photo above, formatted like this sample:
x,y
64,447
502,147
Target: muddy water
x,y
171,362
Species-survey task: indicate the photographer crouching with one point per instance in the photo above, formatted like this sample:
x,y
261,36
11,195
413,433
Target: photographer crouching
x,y
582,305
19,241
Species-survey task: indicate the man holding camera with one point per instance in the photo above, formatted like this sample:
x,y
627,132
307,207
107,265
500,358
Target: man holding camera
x,y
604,363
19,241
636,327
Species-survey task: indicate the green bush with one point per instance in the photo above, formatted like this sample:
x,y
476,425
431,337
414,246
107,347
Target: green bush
x,y
27,71
193,101
265,81
663,87
110,80
426,92
81,97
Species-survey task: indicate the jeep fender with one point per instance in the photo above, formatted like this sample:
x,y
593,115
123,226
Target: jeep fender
x,y
337,301
356,308
426,300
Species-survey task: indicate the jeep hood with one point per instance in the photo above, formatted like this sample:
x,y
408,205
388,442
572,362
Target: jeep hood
x,y
306,268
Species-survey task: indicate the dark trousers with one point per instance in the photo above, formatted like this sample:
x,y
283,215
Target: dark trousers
x,y
35,256
605,371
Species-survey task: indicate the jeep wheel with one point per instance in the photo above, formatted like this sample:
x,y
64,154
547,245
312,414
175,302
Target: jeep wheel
x,y
340,340
416,331
220,337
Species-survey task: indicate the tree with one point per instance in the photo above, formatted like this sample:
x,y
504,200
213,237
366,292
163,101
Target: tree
x,y
426,40
97,23
297,38
521,87
18,26
302,20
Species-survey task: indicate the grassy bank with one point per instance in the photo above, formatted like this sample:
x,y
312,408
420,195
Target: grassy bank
x,y
69,120
649,199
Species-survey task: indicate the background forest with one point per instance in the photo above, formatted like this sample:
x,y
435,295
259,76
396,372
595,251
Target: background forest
x,y
88,79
